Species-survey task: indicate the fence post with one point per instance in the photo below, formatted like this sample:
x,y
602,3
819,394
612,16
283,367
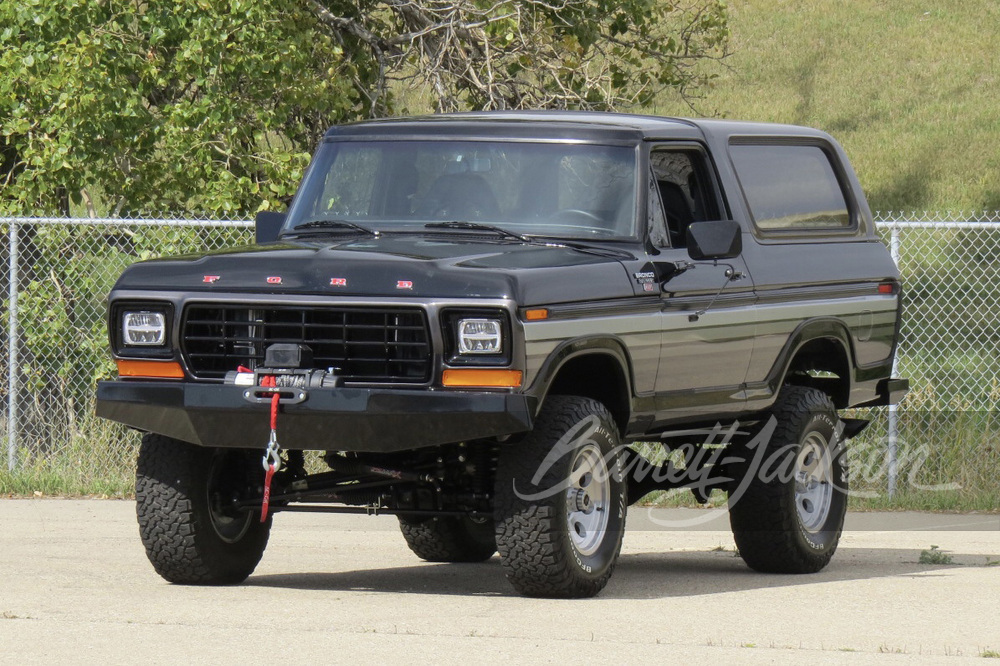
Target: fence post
x,y
893,433
12,348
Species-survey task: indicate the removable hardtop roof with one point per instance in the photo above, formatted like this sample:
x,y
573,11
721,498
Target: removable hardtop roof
x,y
566,125
614,129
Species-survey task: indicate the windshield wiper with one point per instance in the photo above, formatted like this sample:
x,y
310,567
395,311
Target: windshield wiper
x,y
344,225
583,247
548,241
475,226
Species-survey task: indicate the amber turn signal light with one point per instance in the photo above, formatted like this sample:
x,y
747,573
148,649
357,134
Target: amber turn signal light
x,y
481,378
154,369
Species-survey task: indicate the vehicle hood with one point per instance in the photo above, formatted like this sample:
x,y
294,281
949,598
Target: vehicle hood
x,y
396,267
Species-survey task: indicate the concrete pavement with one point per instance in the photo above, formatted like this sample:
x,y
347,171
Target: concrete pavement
x,y
76,588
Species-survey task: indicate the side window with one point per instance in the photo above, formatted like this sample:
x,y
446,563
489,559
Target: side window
x,y
791,187
683,189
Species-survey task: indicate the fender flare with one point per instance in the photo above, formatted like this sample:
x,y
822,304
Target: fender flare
x,y
820,328
609,346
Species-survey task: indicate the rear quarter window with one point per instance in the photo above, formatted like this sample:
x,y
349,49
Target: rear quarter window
x,y
791,187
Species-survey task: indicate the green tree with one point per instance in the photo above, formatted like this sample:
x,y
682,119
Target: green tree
x,y
184,105
214,105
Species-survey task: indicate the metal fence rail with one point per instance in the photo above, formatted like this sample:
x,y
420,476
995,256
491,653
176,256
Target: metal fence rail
x,y
59,271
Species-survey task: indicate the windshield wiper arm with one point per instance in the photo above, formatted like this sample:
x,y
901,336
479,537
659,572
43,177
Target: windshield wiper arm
x,y
585,248
549,241
475,226
343,225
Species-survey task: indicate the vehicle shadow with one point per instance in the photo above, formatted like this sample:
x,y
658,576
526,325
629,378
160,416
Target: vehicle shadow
x,y
691,574
638,575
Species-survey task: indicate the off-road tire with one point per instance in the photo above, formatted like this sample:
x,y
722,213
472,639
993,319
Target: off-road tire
x,y
449,538
539,552
187,541
770,530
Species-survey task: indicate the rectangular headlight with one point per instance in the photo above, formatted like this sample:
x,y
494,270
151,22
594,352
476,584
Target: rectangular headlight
x,y
480,336
145,329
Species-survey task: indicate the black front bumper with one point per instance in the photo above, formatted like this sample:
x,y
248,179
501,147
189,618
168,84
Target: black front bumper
x,y
335,419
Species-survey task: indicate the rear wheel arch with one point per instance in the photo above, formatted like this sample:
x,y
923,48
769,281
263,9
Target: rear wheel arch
x,y
820,355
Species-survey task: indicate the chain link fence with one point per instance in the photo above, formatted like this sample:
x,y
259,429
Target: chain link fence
x,y
58,273
942,439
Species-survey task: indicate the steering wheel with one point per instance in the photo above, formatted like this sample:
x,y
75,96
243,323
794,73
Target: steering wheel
x,y
576,212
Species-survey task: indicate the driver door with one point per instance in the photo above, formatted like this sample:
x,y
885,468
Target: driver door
x,y
708,312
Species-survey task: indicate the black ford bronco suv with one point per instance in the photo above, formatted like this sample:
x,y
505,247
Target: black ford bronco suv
x,y
474,318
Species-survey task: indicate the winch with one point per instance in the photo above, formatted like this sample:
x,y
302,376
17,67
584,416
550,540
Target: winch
x,y
286,366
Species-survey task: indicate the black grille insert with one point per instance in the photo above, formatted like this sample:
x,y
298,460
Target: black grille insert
x,y
364,344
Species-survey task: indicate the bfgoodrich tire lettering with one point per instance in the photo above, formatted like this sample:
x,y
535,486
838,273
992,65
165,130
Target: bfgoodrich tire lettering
x,y
190,534
789,514
560,501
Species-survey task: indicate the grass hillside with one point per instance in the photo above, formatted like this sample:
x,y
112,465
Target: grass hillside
x,y
909,88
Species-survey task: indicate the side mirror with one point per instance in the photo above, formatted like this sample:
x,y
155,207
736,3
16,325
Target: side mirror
x,y
268,224
717,239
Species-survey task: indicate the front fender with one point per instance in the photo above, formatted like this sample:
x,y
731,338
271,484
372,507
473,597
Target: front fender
x,y
612,347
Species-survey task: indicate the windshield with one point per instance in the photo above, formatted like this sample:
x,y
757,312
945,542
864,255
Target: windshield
x,y
544,189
